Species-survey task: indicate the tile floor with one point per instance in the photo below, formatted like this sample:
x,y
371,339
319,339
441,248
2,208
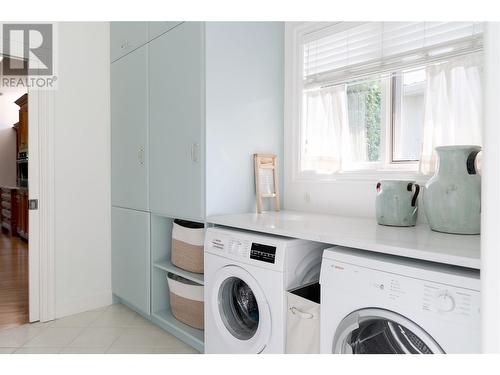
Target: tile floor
x,y
114,329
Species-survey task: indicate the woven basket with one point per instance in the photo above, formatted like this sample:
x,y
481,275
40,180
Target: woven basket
x,y
186,301
187,245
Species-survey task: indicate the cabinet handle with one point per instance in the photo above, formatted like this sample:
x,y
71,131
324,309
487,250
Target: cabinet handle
x,y
140,156
195,154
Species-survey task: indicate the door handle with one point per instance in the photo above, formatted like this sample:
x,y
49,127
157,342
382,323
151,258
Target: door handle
x,y
32,204
195,152
125,44
140,156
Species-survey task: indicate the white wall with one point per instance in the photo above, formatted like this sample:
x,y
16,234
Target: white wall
x,y
244,109
82,168
490,220
342,197
9,115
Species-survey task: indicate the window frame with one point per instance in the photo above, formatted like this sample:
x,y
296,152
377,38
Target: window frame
x,y
396,112
294,86
385,128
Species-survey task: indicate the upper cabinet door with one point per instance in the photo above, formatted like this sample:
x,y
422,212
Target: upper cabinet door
x,y
159,27
126,37
176,77
129,131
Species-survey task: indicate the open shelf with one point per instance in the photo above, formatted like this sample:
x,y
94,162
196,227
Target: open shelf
x,y
161,242
189,335
167,265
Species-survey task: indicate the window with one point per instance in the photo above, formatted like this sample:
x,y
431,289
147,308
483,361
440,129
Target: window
x,y
408,115
363,92
364,102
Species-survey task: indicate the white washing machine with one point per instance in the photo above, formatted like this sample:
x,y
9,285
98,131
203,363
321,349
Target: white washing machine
x,y
374,303
246,277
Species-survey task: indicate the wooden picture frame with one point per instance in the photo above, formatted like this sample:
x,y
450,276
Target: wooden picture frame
x,y
266,180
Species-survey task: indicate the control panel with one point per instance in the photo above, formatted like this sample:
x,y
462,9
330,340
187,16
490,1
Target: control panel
x,y
246,247
398,292
230,245
460,302
264,253
431,297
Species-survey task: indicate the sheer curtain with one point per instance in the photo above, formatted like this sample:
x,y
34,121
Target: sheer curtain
x,y
453,112
325,119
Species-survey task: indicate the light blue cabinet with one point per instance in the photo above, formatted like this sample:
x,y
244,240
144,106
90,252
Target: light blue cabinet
x,y
129,130
157,28
131,258
126,37
176,66
189,109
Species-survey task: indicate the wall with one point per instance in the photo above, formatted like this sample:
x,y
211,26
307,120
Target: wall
x,y
244,109
9,115
490,215
82,169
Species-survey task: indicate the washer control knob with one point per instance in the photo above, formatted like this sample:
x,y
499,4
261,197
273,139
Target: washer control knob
x,y
445,302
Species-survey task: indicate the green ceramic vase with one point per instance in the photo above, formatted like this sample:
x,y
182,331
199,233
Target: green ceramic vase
x,y
452,198
396,203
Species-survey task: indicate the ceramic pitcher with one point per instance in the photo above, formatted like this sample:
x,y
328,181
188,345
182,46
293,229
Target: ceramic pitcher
x,y
396,202
452,199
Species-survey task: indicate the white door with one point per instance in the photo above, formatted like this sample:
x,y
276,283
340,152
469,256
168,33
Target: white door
x,y
41,221
241,311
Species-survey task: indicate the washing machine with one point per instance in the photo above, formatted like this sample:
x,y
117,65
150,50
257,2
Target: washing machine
x,y
246,277
375,303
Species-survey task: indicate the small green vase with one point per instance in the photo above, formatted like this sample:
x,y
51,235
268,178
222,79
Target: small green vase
x,y
452,198
396,203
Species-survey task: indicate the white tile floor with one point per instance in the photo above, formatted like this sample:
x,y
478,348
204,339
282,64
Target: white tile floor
x,y
114,329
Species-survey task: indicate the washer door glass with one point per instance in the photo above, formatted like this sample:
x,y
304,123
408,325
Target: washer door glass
x,y
378,331
238,308
379,336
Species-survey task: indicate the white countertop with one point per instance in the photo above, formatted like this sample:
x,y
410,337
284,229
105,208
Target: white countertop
x,y
413,242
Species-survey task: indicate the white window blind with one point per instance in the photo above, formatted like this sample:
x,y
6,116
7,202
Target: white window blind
x,y
346,49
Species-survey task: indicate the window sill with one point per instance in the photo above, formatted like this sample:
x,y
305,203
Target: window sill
x,y
361,176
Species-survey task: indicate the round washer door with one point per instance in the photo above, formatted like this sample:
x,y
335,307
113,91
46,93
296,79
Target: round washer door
x,y
379,331
241,311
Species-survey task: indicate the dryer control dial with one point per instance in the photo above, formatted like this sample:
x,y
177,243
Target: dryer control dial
x,y
445,302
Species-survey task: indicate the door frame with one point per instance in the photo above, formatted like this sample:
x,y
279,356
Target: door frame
x,y
41,222
41,119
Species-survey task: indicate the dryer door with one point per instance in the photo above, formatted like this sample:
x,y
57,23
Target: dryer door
x,y
379,331
241,311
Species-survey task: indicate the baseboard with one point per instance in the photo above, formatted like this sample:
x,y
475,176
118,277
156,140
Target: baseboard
x,y
79,305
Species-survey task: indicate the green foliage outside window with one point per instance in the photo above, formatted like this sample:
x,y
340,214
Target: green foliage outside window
x,y
373,98
364,104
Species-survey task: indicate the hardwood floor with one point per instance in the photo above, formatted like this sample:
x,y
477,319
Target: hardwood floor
x,y
14,295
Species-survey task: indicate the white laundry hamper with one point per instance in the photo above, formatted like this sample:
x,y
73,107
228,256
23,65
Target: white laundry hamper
x,y
186,300
302,336
188,239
